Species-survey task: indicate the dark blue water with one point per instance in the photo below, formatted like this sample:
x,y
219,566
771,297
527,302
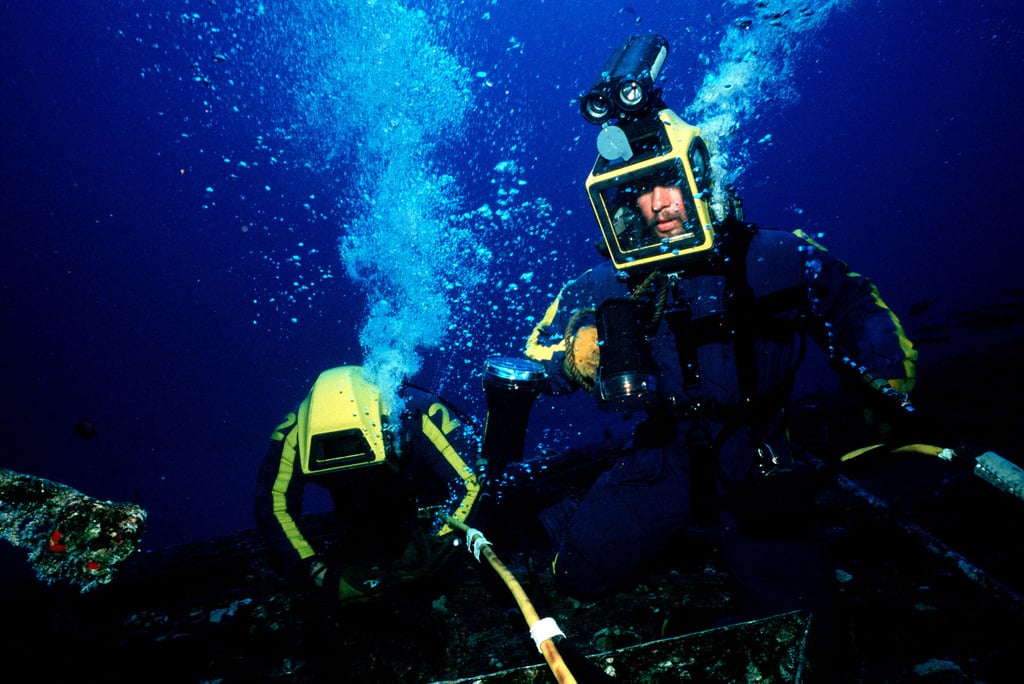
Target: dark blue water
x,y
178,177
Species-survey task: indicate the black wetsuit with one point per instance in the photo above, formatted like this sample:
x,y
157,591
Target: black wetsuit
x,y
726,337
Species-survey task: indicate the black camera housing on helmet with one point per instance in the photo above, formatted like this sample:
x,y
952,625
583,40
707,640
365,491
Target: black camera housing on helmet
x,y
626,83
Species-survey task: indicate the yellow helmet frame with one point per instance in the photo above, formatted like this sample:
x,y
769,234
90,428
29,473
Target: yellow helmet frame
x,y
664,151
341,423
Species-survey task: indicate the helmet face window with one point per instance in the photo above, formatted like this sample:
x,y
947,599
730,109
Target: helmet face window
x,y
654,209
339,449
342,423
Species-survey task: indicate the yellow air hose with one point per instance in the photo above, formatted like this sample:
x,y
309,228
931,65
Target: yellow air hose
x,y
543,630
926,449
997,471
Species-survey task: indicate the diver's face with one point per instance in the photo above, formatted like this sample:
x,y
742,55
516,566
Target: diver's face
x,y
663,210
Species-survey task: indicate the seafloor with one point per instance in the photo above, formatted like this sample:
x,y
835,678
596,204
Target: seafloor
x,y
214,612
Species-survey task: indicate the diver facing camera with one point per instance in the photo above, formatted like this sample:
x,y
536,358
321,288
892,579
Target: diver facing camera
x,y
650,186
650,189
702,319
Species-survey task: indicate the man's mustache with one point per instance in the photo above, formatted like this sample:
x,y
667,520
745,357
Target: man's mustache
x,y
666,216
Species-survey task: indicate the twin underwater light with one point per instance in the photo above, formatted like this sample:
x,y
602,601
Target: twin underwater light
x,y
626,83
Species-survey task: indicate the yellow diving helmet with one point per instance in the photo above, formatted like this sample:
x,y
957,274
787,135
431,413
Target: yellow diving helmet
x,y
342,423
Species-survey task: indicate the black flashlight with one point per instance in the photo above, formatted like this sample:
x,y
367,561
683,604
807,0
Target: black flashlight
x,y
626,83
510,385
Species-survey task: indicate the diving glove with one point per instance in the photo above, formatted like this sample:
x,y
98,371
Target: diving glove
x,y
341,585
583,356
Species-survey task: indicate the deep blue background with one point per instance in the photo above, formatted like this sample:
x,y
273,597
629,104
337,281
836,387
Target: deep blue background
x,y
182,323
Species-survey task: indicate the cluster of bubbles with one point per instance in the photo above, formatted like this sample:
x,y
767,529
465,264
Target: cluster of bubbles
x,y
754,67
386,96
523,227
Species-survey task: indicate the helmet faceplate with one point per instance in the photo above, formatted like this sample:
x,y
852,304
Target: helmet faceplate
x,y
665,152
